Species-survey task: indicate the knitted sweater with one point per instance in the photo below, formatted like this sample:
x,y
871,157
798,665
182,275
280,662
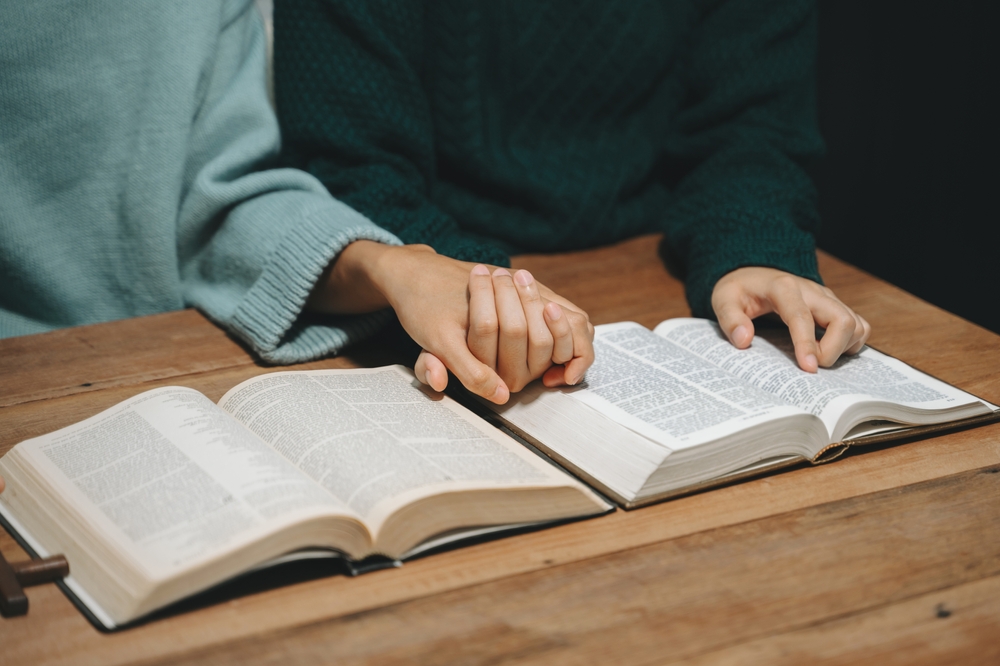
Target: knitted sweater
x,y
490,127
132,138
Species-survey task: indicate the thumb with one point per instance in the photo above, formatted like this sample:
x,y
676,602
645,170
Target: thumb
x,y
735,323
431,371
475,375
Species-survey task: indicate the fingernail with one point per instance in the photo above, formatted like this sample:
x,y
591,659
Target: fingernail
x,y
500,395
501,271
479,269
523,278
740,334
554,311
812,363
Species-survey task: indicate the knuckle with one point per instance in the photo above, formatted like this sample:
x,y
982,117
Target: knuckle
x,y
486,327
562,356
540,343
479,378
515,329
787,281
846,320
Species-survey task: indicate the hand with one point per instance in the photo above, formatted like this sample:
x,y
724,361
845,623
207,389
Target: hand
x,y
521,329
430,295
750,292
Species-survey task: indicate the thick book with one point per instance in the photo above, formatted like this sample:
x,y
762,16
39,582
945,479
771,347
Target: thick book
x,y
167,494
678,409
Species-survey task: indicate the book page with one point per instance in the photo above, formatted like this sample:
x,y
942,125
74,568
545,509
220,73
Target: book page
x,y
174,478
376,439
663,391
770,365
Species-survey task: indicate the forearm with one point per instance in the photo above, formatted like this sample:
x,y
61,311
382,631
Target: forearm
x,y
368,276
747,129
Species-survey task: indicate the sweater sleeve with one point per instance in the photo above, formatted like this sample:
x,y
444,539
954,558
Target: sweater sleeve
x,y
252,242
354,114
745,127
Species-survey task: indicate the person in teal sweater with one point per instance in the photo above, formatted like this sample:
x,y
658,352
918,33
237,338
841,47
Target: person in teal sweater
x,y
138,175
492,127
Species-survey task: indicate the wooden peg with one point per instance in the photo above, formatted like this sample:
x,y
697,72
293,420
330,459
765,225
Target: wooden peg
x,y
15,577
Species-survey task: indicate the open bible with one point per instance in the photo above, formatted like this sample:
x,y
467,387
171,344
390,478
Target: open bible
x,y
677,409
167,494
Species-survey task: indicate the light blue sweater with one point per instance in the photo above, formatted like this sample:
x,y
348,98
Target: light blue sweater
x,y
134,140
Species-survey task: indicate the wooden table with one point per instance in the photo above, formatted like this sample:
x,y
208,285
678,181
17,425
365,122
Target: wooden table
x,y
886,556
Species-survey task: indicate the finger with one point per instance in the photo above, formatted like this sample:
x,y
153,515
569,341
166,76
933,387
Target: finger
x,y
1,484
866,331
512,342
733,320
842,328
562,334
539,337
555,376
483,325
474,375
788,303
431,371
583,348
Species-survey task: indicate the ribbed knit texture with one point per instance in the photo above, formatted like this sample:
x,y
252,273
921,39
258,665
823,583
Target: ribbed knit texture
x,y
133,144
490,127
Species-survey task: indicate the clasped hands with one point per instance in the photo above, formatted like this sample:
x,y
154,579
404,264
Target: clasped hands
x,y
497,331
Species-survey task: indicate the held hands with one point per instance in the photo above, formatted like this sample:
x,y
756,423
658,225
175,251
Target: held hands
x,y
494,333
750,292
520,329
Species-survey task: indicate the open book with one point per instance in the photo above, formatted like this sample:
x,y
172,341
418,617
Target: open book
x,y
670,411
167,494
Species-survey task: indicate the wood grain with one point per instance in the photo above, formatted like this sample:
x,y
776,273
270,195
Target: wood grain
x,y
956,625
459,599
91,358
677,599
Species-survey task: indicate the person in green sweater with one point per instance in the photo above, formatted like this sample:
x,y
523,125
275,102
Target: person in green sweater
x,y
492,127
138,175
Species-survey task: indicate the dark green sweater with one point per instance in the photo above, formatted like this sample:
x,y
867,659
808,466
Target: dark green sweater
x,y
491,127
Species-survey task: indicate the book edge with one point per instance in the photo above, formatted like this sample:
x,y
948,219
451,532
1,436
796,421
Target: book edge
x,y
77,596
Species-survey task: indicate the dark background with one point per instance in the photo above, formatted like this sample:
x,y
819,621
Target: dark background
x,y
908,107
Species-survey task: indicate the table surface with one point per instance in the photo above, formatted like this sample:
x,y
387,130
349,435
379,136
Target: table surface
x,y
890,555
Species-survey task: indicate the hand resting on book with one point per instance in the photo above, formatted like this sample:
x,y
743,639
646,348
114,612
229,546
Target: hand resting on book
x,y
495,333
747,293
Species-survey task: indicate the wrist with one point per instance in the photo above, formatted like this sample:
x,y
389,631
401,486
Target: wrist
x,y
347,286
366,276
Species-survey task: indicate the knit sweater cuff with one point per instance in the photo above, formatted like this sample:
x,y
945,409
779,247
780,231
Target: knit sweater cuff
x,y
711,257
270,317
